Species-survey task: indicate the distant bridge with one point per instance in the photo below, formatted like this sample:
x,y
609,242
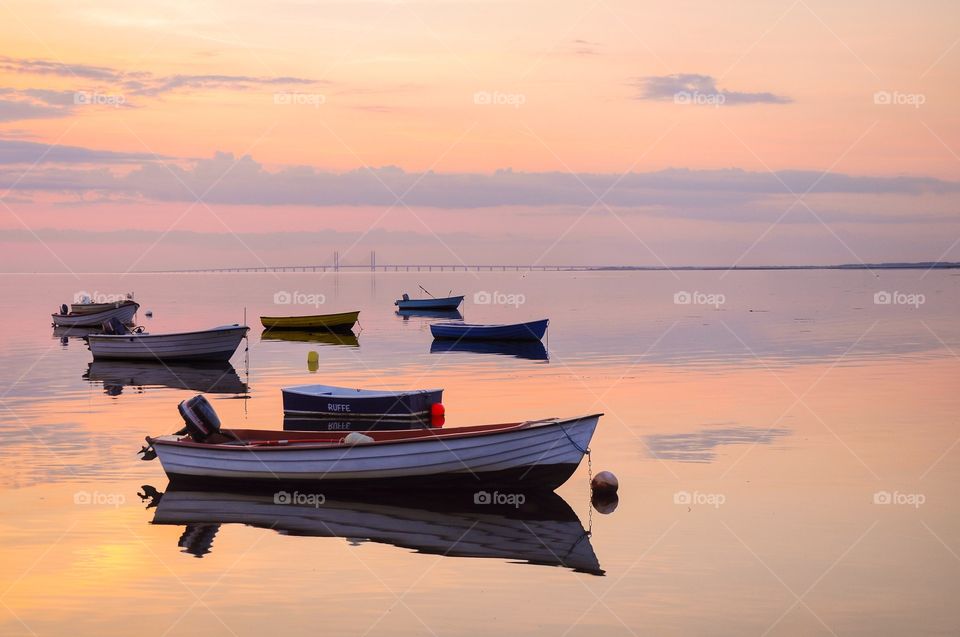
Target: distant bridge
x,y
405,267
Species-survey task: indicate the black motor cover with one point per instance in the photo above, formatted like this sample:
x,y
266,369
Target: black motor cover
x,y
64,310
114,326
201,419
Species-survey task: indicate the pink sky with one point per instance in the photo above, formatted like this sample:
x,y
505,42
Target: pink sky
x,y
703,133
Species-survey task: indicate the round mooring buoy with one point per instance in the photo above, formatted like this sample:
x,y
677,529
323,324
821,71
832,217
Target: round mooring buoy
x,y
604,482
313,361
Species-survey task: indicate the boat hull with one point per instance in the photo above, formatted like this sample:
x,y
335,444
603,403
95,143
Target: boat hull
x,y
530,457
532,331
319,401
123,313
342,322
447,303
218,344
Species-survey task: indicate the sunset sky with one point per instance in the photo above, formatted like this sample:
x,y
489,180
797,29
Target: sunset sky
x,y
136,136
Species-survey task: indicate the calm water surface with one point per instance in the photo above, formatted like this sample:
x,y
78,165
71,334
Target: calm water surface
x,y
787,449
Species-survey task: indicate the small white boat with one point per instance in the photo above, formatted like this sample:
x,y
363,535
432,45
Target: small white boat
x,y
526,456
122,312
215,344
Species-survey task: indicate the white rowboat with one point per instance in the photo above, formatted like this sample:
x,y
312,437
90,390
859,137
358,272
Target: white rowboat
x,y
123,312
533,455
215,344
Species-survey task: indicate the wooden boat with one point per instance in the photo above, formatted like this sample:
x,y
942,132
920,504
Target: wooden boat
x,y
532,331
529,350
543,530
444,303
209,377
92,308
342,322
348,339
215,344
523,456
123,312
328,400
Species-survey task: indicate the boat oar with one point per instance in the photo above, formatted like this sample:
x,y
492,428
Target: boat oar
x,y
425,290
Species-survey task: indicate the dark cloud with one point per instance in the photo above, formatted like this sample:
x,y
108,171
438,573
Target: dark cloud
x,y
684,87
226,179
49,67
18,151
35,103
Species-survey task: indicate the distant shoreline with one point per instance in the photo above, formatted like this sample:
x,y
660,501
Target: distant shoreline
x,y
922,265
405,267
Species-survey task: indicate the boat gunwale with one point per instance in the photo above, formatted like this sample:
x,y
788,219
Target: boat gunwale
x,y
410,436
487,325
355,314
142,335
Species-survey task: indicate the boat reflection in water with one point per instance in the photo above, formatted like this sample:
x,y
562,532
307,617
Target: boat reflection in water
x,y
64,334
542,530
302,423
529,350
301,336
449,315
208,378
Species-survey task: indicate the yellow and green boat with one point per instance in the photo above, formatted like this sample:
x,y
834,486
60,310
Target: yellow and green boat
x,y
342,322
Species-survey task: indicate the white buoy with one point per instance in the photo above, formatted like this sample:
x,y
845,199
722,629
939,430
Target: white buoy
x,y
356,438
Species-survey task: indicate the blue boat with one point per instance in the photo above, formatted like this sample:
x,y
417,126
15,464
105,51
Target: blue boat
x,y
532,331
327,400
444,303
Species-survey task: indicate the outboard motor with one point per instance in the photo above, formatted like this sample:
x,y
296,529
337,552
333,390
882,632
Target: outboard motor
x,y
200,418
114,327
406,297
64,310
